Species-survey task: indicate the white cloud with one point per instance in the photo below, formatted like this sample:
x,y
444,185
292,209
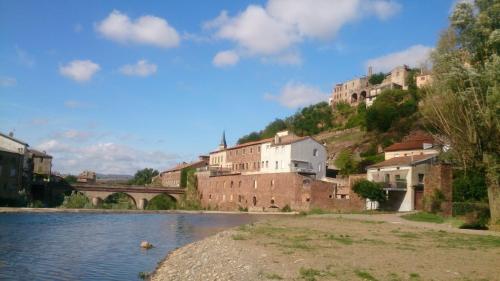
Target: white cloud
x,y
74,135
79,70
104,157
147,30
414,56
295,95
141,68
77,28
272,30
225,58
74,104
24,58
7,81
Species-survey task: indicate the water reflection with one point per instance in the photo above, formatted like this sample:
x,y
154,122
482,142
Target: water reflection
x,y
69,246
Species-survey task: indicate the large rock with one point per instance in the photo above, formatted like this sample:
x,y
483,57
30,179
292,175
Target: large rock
x,y
146,245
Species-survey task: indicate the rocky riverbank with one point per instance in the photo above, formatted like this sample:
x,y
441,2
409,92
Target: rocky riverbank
x,y
335,248
65,210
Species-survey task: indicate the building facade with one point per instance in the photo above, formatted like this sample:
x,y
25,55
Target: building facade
x,y
14,167
359,90
285,153
269,174
171,178
407,172
42,165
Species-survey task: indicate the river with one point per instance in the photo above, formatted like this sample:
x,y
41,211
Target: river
x,y
94,246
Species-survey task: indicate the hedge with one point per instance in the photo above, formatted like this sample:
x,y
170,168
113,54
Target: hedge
x,y
463,208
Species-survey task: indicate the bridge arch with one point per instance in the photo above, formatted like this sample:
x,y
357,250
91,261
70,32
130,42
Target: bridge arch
x,y
119,198
162,201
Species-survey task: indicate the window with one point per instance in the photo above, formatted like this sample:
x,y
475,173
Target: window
x,y
387,178
272,183
251,150
13,172
239,184
232,184
255,184
315,152
258,148
254,201
267,164
240,198
420,178
277,165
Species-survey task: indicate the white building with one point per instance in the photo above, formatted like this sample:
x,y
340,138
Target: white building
x,y
285,153
289,153
403,178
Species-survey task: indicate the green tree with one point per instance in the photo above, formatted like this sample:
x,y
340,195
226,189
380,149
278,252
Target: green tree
x,y
464,103
377,78
253,136
391,107
370,190
161,202
70,179
311,120
345,163
144,176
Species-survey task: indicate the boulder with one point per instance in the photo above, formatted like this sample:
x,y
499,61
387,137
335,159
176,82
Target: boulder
x,y
146,245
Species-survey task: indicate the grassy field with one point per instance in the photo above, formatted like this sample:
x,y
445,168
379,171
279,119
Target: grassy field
x,y
317,248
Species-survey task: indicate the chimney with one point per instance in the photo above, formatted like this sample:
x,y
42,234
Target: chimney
x,y
11,134
370,71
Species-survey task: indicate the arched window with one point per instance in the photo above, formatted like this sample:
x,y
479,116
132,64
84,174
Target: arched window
x,y
255,184
254,201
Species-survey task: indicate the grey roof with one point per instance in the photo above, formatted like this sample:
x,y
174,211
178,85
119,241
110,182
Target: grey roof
x,y
13,139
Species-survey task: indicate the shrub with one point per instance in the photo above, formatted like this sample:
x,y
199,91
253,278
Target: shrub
x,y
369,190
76,201
470,186
286,209
463,208
161,202
241,209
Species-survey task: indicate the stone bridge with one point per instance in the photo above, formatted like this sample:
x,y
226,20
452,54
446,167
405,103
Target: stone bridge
x,y
140,195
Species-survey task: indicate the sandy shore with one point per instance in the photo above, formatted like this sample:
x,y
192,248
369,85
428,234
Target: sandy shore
x,y
337,247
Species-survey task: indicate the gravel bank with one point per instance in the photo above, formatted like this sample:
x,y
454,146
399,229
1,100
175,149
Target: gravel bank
x,y
335,248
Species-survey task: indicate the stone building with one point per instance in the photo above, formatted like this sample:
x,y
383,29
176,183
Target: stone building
x,y
285,153
42,165
285,170
359,89
172,177
424,79
14,167
87,177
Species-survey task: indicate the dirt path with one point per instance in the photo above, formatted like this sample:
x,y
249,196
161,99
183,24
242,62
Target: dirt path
x,y
334,247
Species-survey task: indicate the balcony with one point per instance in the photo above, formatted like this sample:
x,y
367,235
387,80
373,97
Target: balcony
x,y
395,185
303,170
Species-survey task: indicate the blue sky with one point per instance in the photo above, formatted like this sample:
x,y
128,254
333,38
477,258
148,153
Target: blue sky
x,y
114,86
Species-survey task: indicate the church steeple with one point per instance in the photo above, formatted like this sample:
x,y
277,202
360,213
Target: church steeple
x,y
223,144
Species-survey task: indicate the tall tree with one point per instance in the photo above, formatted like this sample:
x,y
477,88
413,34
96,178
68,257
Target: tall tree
x,y
464,102
144,176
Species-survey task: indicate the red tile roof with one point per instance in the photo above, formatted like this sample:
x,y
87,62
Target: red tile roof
x,y
403,161
415,141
